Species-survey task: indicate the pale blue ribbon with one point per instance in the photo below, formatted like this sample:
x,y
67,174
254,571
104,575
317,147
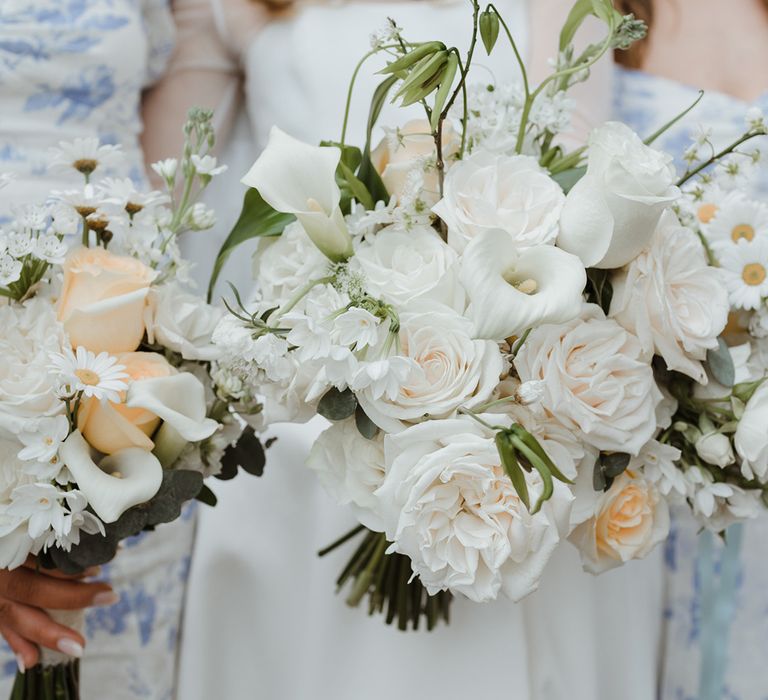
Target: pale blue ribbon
x,y
718,602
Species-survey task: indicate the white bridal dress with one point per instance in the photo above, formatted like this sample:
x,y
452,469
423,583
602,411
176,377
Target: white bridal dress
x,y
262,619
72,69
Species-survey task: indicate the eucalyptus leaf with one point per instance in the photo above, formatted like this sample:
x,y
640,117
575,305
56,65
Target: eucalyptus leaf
x,y
207,496
247,453
720,364
365,426
257,219
599,480
614,463
512,467
337,405
568,178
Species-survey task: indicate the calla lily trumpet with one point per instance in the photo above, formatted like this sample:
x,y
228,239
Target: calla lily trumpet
x,y
296,178
122,480
511,289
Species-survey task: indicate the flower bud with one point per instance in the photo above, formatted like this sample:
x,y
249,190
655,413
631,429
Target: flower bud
x,y
715,448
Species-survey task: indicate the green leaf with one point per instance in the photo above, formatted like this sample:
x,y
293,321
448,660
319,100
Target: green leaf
x,y
357,188
614,464
247,453
599,288
568,178
365,426
599,480
207,496
444,91
489,29
256,219
367,174
744,390
337,405
579,12
720,364
512,467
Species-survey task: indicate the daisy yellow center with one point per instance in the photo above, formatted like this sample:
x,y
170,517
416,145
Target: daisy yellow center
x,y
86,165
87,376
706,213
753,274
742,232
49,441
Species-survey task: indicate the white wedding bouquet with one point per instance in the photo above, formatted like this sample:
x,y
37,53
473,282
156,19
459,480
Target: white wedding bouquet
x,y
109,416
508,337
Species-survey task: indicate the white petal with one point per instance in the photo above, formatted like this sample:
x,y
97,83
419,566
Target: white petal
x,y
110,496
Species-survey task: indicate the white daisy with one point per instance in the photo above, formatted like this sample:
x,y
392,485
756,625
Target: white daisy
x,y
10,270
51,249
131,199
84,201
97,376
84,155
734,219
744,269
206,165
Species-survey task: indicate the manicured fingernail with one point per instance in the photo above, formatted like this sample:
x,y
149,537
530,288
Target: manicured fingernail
x,y
105,599
70,647
20,663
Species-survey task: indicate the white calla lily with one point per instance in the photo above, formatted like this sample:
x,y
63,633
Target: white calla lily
x,y
296,178
511,290
178,400
122,480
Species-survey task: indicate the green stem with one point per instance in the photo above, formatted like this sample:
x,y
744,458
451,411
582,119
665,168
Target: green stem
x,y
477,418
717,156
296,298
520,342
518,57
343,539
86,233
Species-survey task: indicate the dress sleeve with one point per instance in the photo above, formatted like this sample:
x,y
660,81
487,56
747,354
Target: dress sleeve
x,y
161,36
204,71
594,98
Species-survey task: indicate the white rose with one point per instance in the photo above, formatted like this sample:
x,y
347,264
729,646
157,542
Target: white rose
x,y
611,213
629,520
400,266
670,299
597,380
450,507
30,333
288,401
182,322
350,468
15,542
456,369
512,290
283,265
488,191
751,437
716,449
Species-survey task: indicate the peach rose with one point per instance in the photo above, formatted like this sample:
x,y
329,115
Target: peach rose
x,y
401,152
102,300
629,520
110,427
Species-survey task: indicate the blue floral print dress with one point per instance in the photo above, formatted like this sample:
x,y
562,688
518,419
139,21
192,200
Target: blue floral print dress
x,y
69,69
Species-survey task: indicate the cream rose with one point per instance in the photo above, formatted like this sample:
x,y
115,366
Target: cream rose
x,y
611,214
487,191
670,299
629,520
454,369
350,468
182,322
751,439
409,148
400,266
448,505
27,391
597,380
102,300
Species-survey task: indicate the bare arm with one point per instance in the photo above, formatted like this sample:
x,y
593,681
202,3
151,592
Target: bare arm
x,y
203,72
593,98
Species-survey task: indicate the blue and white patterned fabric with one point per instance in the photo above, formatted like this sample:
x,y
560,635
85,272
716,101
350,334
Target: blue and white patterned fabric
x,y
68,69
716,607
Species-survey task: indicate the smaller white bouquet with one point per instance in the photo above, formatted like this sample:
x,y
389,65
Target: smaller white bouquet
x,y
110,418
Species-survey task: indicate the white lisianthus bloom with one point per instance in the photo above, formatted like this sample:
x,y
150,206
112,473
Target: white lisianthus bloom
x,y
455,369
512,290
283,265
611,214
350,468
182,322
448,504
296,178
27,391
751,437
629,520
488,191
597,380
357,328
122,480
400,265
670,299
